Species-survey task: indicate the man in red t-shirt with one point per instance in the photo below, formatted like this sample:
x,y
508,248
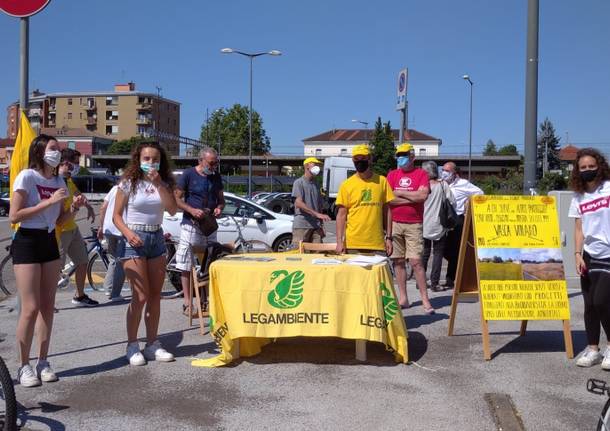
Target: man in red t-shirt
x,y
411,188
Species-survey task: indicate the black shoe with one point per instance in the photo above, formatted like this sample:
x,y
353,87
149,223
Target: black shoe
x,y
436,288
84,301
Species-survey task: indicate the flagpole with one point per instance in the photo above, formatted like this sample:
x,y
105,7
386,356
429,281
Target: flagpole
x,y
24,58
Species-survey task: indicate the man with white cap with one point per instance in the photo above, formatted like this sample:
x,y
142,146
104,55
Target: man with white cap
x,y
308,218
363,213
411,187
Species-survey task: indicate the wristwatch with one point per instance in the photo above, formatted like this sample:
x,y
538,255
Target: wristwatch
x,y
388,237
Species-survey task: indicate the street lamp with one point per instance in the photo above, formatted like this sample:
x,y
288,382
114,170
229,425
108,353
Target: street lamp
x,y
467,78
251,56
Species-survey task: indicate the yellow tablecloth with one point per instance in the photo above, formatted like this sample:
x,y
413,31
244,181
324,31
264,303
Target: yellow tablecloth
x,y
289,296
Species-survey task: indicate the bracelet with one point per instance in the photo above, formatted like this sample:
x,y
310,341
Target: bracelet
x,y
388,237
578,252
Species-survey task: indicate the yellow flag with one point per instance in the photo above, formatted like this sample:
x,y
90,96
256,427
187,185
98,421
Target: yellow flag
x,y
19,159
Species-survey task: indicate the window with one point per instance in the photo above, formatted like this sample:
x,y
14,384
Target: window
x,y
422,151
112,130
69,115
112,100
112,115
70,101
318,151
344,151
80,100
81,115
142,130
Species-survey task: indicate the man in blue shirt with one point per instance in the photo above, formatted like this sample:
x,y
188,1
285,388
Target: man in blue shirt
x,y
199,193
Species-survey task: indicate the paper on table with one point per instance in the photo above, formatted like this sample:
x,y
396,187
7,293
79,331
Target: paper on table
x,y
326,261
361,260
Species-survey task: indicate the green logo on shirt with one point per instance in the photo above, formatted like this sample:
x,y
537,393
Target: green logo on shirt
x,y
288,292
367,195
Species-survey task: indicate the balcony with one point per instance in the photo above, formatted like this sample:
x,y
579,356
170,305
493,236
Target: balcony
x,y
35,112
91,106
91,121
144,120
144,106
52,108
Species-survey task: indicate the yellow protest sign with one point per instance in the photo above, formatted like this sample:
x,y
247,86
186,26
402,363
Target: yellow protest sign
x,y
510,259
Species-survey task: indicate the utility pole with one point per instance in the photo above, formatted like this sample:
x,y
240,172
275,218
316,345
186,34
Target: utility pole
x,y
531,98
24,54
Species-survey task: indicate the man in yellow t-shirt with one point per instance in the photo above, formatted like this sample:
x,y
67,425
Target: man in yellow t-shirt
x,y
69,239
363,212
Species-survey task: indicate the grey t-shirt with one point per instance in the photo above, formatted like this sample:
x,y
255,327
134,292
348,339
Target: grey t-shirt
x,y
309,193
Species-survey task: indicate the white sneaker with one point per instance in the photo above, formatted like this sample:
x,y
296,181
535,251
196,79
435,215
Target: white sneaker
x,y
588,357
606,360
134,356
27,377
44,371
156,352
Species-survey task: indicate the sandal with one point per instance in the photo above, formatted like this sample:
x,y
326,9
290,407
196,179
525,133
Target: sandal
x,y
429,311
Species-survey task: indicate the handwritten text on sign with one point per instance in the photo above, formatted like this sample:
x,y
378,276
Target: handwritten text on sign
x,y
525,300
515,221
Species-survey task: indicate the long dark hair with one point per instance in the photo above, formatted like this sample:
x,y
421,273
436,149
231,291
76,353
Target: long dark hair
x,y
603,172
36,154
134,174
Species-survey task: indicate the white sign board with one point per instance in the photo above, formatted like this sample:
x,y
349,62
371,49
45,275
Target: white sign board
x,y
401,97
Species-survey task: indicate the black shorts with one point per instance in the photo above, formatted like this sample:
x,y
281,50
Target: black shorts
x,y
34,246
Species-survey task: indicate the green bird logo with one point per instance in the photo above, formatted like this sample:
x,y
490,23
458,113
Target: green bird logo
x,y
288,292
390,307
367,195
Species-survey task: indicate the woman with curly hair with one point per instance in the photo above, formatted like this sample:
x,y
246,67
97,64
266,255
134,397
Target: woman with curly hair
x,y
145,191
590,208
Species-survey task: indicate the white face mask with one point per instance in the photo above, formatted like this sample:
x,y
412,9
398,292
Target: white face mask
x,y
52,158
447,176
315,170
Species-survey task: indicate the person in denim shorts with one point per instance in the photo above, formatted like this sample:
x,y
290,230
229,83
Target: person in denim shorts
x,y
145,191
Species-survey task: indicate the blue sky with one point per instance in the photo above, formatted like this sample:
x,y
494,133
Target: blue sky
x,y
340,62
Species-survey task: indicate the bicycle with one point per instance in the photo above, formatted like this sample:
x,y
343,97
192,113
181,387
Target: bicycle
x,y
599,387
8,402
97,266
242,245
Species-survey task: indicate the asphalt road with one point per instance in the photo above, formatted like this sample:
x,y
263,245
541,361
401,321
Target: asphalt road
x,y
307,383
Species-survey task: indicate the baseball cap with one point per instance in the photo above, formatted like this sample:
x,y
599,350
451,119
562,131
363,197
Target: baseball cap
x,y
311,160
361,150
405,147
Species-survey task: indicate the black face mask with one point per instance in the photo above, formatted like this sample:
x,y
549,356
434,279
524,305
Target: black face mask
x,y
588,176
361,165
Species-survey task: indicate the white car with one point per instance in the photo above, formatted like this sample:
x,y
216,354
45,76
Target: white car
x,y
263,224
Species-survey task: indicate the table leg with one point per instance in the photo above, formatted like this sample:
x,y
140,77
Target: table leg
x,y
361,350
235,349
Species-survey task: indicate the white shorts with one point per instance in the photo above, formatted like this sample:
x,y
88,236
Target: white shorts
x,y
189,236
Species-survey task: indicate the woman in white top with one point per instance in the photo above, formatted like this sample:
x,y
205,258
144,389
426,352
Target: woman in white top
x,y
434,232
145,191
36,204
590,208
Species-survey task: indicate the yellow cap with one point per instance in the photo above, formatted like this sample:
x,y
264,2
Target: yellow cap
x,y
311,160
361,150
405,147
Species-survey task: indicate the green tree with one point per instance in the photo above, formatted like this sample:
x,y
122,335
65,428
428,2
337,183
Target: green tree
x,y
551,181
230,129
508,150
490,149
125,146
548,143
382,148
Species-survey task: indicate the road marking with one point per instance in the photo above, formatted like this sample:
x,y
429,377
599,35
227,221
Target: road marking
x,y
504,413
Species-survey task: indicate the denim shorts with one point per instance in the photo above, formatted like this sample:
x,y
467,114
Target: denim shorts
x,y
154,246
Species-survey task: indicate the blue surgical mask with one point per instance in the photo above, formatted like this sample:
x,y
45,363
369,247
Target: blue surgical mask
x,y
147,167
207,170
403,161
447,176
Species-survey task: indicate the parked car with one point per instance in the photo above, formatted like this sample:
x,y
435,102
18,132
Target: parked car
x,y
279,203
95,187
262,224
5,204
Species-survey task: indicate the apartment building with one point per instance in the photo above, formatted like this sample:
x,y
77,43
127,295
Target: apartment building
x,y
117,115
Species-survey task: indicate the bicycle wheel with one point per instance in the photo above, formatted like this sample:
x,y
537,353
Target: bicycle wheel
x,y
7,276
8,402
97,267
604,418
